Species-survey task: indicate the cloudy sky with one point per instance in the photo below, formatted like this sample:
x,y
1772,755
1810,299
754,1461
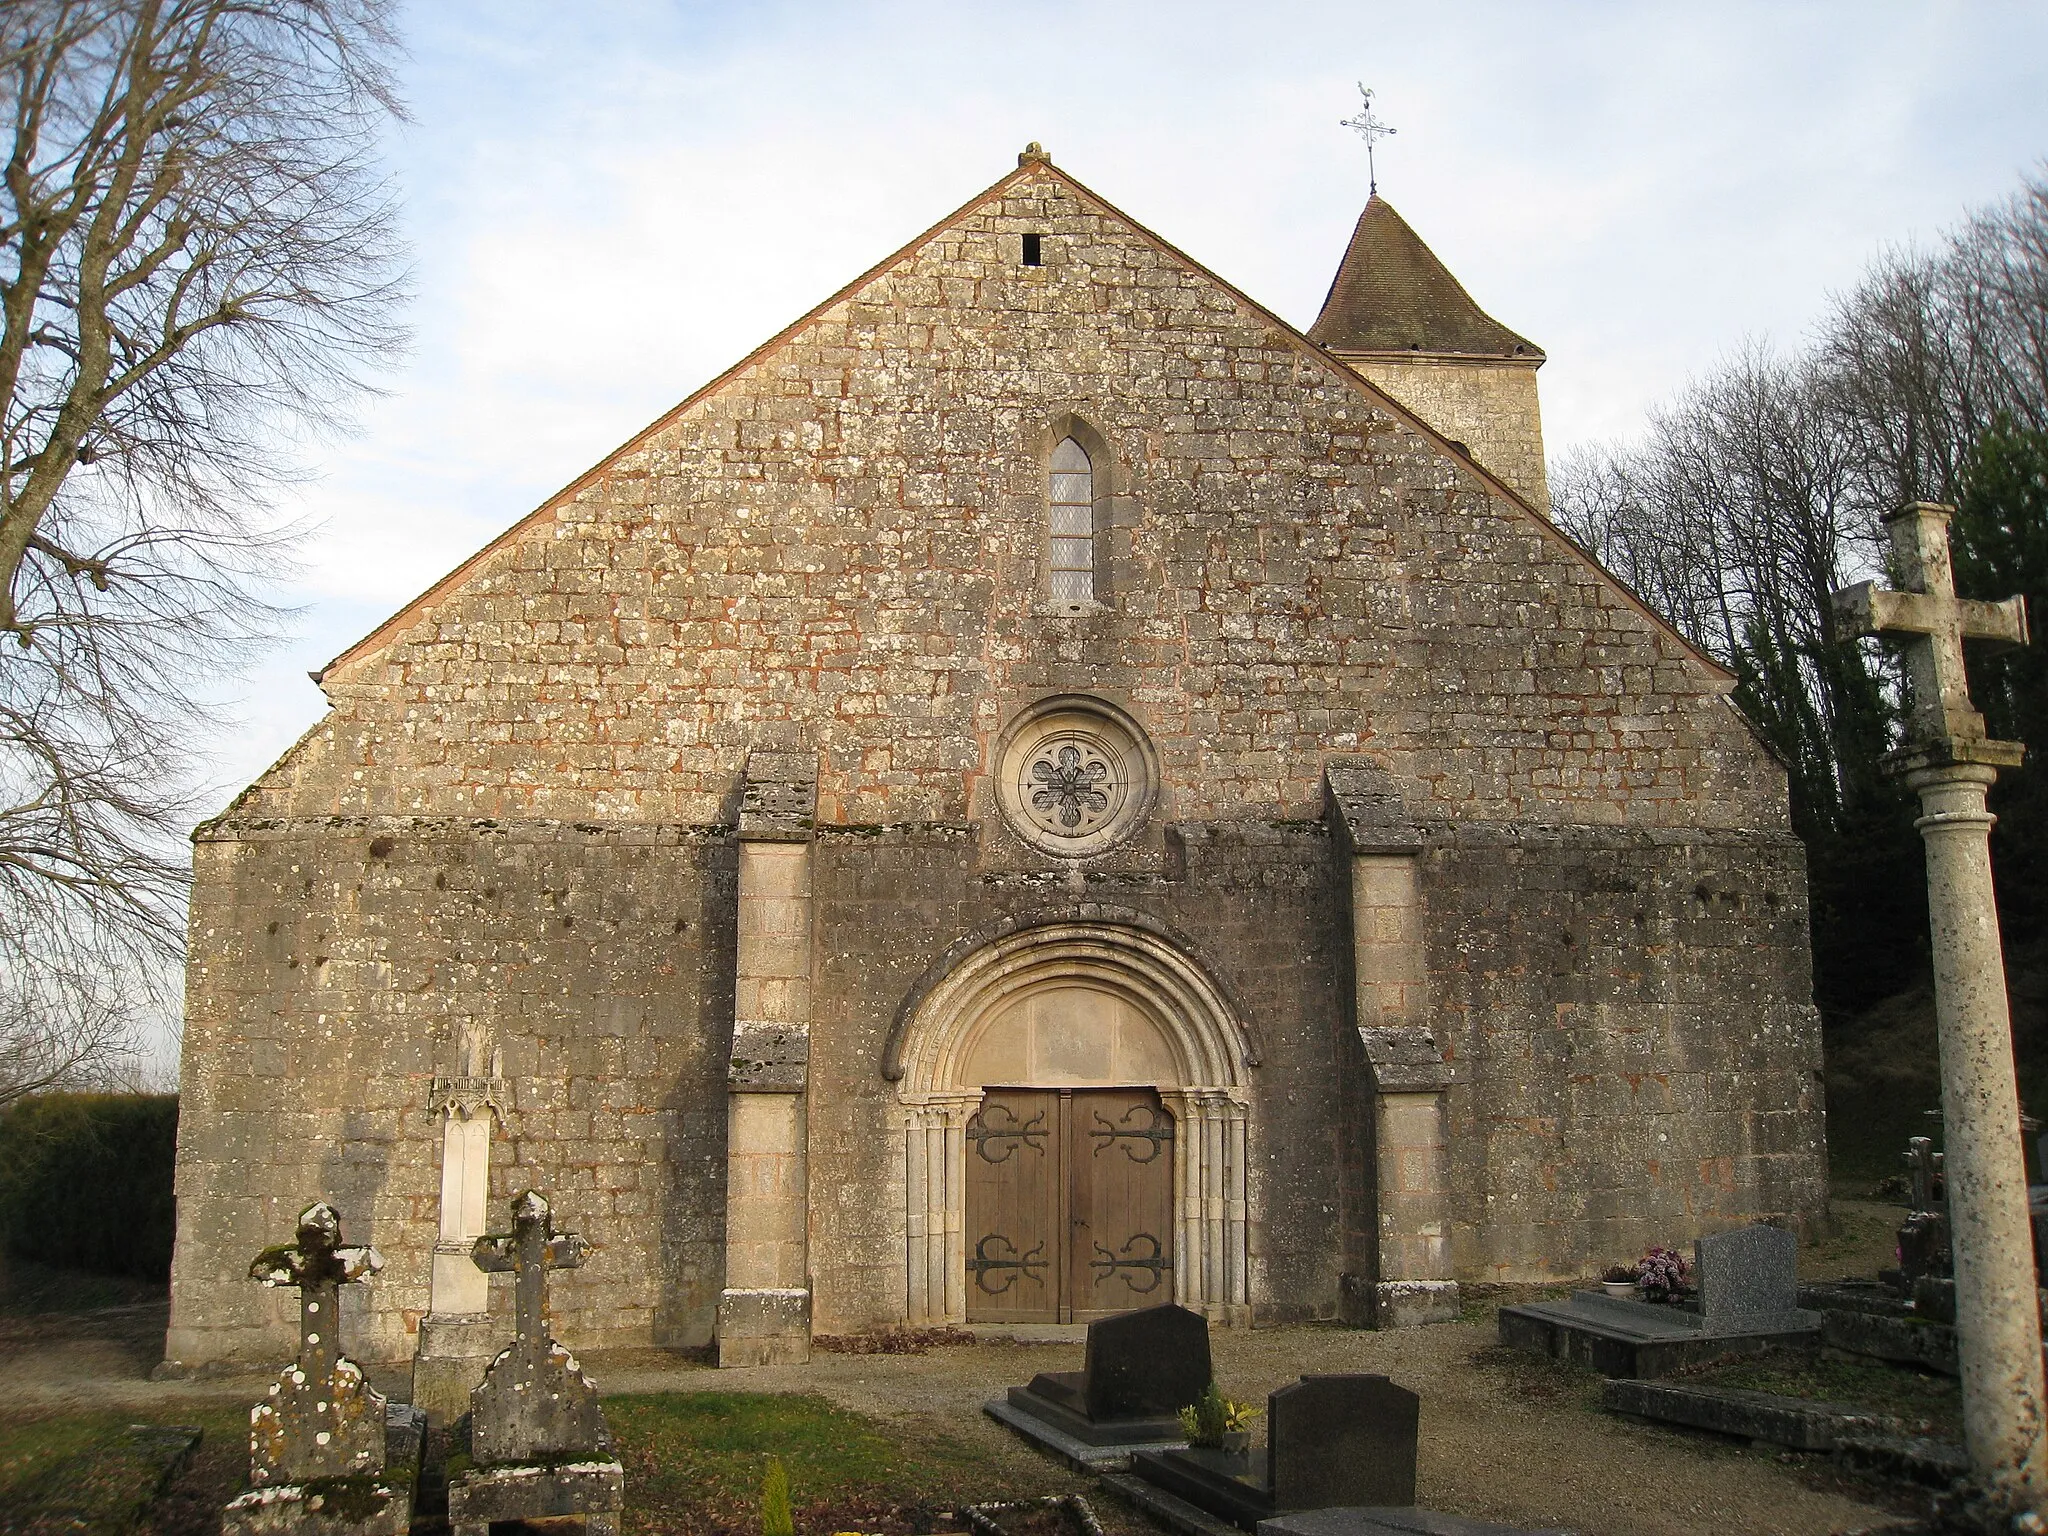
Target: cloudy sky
x,y
609,203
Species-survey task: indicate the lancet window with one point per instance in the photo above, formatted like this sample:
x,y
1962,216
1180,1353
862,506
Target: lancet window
x,y
1073,524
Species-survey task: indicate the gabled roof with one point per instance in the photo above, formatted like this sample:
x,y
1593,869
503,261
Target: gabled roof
x,y
1035,163
1391,294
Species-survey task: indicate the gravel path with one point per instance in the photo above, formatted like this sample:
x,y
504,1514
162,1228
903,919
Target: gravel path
x,y
1504,1436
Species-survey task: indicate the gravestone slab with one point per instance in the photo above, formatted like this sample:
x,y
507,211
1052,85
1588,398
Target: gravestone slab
x,y
1748,1300
1748,1280
1346,1439
1331,1441
1141,1368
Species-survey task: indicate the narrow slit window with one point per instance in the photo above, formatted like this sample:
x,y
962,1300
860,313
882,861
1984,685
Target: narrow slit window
x,y
1073,524
1032,255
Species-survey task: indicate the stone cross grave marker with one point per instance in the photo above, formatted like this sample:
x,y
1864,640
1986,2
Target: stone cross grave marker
x,y
534,1404
1950,763
321,1419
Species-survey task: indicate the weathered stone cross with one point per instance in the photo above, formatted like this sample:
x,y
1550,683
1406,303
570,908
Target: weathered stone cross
x,y
321,1418
530,1250
1939,623
1951,764
319,1266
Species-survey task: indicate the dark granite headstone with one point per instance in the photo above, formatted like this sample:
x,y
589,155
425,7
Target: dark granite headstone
x,y
1334,1440
1143,1365
1140,1370
1331,1441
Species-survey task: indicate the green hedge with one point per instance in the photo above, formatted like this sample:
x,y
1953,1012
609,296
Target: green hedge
x,y
85,1181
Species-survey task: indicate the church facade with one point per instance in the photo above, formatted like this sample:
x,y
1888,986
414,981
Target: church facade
x,y
1040,791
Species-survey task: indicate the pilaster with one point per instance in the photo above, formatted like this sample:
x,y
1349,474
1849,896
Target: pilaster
x,y
1403,1274
764,1312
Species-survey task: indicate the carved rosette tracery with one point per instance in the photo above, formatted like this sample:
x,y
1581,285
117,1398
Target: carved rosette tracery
x,y
1075,776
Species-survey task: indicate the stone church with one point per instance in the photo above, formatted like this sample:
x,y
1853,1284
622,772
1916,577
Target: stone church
x,y
1042,790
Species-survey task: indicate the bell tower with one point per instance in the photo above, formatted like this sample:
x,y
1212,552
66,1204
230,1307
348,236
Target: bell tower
x,y
1396,314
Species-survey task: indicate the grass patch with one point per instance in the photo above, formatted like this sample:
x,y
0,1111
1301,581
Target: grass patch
x,y
694,1464
1917,1402
78,1472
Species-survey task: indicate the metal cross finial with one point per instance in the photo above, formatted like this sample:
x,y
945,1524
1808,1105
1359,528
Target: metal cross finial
x,y
319,1266
530,1250
1939,622
1370,129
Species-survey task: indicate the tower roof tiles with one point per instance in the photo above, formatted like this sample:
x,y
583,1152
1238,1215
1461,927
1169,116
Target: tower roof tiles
x,y
1392,294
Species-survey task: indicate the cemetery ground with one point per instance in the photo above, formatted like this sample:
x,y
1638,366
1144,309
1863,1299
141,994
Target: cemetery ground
x,y
890,1443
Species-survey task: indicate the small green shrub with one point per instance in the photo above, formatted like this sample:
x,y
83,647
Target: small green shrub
x,y
775,1516
1212,1415
85,1181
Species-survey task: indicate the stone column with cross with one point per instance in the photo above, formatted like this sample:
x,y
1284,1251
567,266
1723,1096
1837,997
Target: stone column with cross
x,y
1950,762
536,1430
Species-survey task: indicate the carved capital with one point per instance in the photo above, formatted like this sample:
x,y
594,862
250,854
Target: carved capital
x,y
467,1097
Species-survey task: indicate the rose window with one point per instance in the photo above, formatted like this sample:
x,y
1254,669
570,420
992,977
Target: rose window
x,y
1076,776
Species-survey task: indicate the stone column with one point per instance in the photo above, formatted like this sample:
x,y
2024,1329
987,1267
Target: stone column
x,y
1950,760
1410,1259
764,1313
1997,1319
457,1339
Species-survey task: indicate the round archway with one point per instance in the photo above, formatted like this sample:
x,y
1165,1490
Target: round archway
x,y
1076,1006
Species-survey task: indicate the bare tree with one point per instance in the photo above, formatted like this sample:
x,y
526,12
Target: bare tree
x,y
1760,490
1932,347
66,1031
197,269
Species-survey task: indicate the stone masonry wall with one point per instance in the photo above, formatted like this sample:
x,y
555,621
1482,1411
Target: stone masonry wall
x,y
1261,904
1642,1062
847,536
332,966
519,807
1491,408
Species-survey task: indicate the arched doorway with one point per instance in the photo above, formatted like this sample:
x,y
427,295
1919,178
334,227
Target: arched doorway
x,y
1060,1085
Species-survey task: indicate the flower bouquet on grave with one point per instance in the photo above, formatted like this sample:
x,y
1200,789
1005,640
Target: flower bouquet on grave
x,y
1661,1274
1213,1422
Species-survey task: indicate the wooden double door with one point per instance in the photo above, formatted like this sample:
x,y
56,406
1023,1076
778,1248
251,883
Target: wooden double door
x,y
1069,1204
